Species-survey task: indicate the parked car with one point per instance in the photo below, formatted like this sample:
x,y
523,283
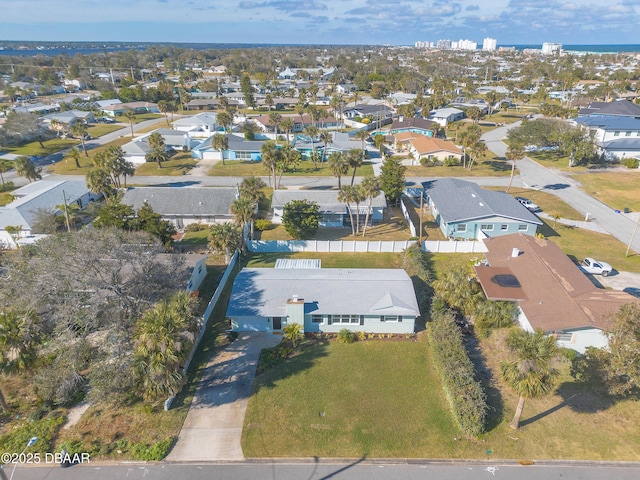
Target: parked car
x,y
595,267
528,204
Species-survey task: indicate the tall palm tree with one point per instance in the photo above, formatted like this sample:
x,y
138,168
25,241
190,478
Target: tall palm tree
x,y
362,135
27,169
251,188
289,158
164,108
355,160
339,166
370,188
476,150
530,374
270,154
514,153
275,119
312,132
5,166
157,154
225,120
79,130
243,211
288,125
326,138
131,117
347,195
74,154
221,143
225,237
98,181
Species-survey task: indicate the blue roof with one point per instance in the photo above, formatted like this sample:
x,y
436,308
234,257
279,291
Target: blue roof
x,y
610,122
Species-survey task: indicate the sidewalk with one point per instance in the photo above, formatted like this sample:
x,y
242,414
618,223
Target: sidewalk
x,y
575,223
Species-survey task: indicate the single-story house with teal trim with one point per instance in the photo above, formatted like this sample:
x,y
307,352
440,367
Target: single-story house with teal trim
x,y
238,149
369,300
465,211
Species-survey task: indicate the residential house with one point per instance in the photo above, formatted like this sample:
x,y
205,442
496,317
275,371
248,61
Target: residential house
x,y
300,122
551,292
334,213
375,112
35,198
462,103
340,142
185,205
323,300
414,125
463,210
445,116
237,149
430,149
201,125
69,118
136,150
291,73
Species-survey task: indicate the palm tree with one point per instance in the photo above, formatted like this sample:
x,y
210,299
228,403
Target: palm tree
x,y
251,188
98,181
221,143
293,333
275,119
27,169
476,151
164,108
157,154
362,135
347,196
225,120
5,166
74,154
79,129
131,116
339,166
514,153
312,132
270,154
531,374
18,342
355,160
288,158
468,137
288,125
370,188
326,138
225,237
243,211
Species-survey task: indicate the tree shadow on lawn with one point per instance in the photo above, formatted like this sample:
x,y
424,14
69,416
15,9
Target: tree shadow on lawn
x,y
546,230
498,165
580,398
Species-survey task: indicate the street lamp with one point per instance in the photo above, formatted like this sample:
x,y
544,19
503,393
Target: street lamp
x,y
30,443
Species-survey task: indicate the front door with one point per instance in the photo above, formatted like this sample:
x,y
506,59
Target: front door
x,y
277,323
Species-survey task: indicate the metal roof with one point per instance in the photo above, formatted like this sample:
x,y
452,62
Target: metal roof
x,y
298,263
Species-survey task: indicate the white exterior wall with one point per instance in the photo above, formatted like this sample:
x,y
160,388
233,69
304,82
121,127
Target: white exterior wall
x,y
372,324
583,338
197,275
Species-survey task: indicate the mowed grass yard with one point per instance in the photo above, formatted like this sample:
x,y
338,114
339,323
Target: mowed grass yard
x,y
618,189
489,167
382,398
368,399
245,168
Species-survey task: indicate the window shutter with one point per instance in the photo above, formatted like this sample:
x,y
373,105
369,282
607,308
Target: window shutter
x,y
328,319
399,318
361,319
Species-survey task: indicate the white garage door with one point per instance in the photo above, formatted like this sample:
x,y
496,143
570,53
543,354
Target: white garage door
x,y
249,324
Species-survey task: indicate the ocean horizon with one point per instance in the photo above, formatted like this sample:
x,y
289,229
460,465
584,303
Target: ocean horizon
x,y
33,48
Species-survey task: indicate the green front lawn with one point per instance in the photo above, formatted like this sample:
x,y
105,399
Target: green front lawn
x,y
50,146
179,164
331,260
617,189
491,167
100,129
241,168
549,203
68,167
368,399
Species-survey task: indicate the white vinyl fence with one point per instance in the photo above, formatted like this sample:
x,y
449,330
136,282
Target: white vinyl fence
x,y
450,246
329,246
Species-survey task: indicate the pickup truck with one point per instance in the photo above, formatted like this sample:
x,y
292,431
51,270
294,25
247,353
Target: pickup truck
x,y
595,267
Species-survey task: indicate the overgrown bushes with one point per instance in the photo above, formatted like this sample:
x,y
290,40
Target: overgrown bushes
x,y
44,429
630,162
466,396
346,336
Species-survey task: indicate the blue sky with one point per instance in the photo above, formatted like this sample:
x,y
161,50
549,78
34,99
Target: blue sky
x,y
399,22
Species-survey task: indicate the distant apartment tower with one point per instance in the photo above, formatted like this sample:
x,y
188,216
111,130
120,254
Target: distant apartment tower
x,y
464,45
551,48
423,45
489,44
444,44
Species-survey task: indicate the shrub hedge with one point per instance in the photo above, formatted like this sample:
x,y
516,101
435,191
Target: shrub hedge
x,y
466,396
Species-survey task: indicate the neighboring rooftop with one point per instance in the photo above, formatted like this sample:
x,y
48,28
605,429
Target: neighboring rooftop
x,y
326,199
193,201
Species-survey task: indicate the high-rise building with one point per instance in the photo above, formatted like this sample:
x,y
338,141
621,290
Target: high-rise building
x,y
444,44
489,44
464,45
551,48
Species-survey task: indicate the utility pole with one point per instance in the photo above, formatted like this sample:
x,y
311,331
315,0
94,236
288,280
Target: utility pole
x,y
632,237
421,205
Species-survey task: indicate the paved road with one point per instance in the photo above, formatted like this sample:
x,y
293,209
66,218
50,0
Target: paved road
x,y
213,427
345,470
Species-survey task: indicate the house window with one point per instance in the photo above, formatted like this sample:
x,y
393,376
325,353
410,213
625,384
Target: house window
x,y
564,337
616,134
345,318
628,134
390,318
243,155
486,226
504,227
316,318
461,227
523,228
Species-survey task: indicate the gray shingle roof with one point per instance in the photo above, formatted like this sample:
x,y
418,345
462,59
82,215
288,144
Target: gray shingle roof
x,y
458,201
610,122
361,291
618,107
326,199
192,201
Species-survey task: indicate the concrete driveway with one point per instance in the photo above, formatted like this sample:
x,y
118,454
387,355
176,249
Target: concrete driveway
x,y
213,427
628,281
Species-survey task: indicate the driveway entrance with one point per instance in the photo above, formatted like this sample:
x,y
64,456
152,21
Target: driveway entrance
x,y
213,427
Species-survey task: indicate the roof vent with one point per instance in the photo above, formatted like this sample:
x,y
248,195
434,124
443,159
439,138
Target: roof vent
x,y
515,252
295,298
